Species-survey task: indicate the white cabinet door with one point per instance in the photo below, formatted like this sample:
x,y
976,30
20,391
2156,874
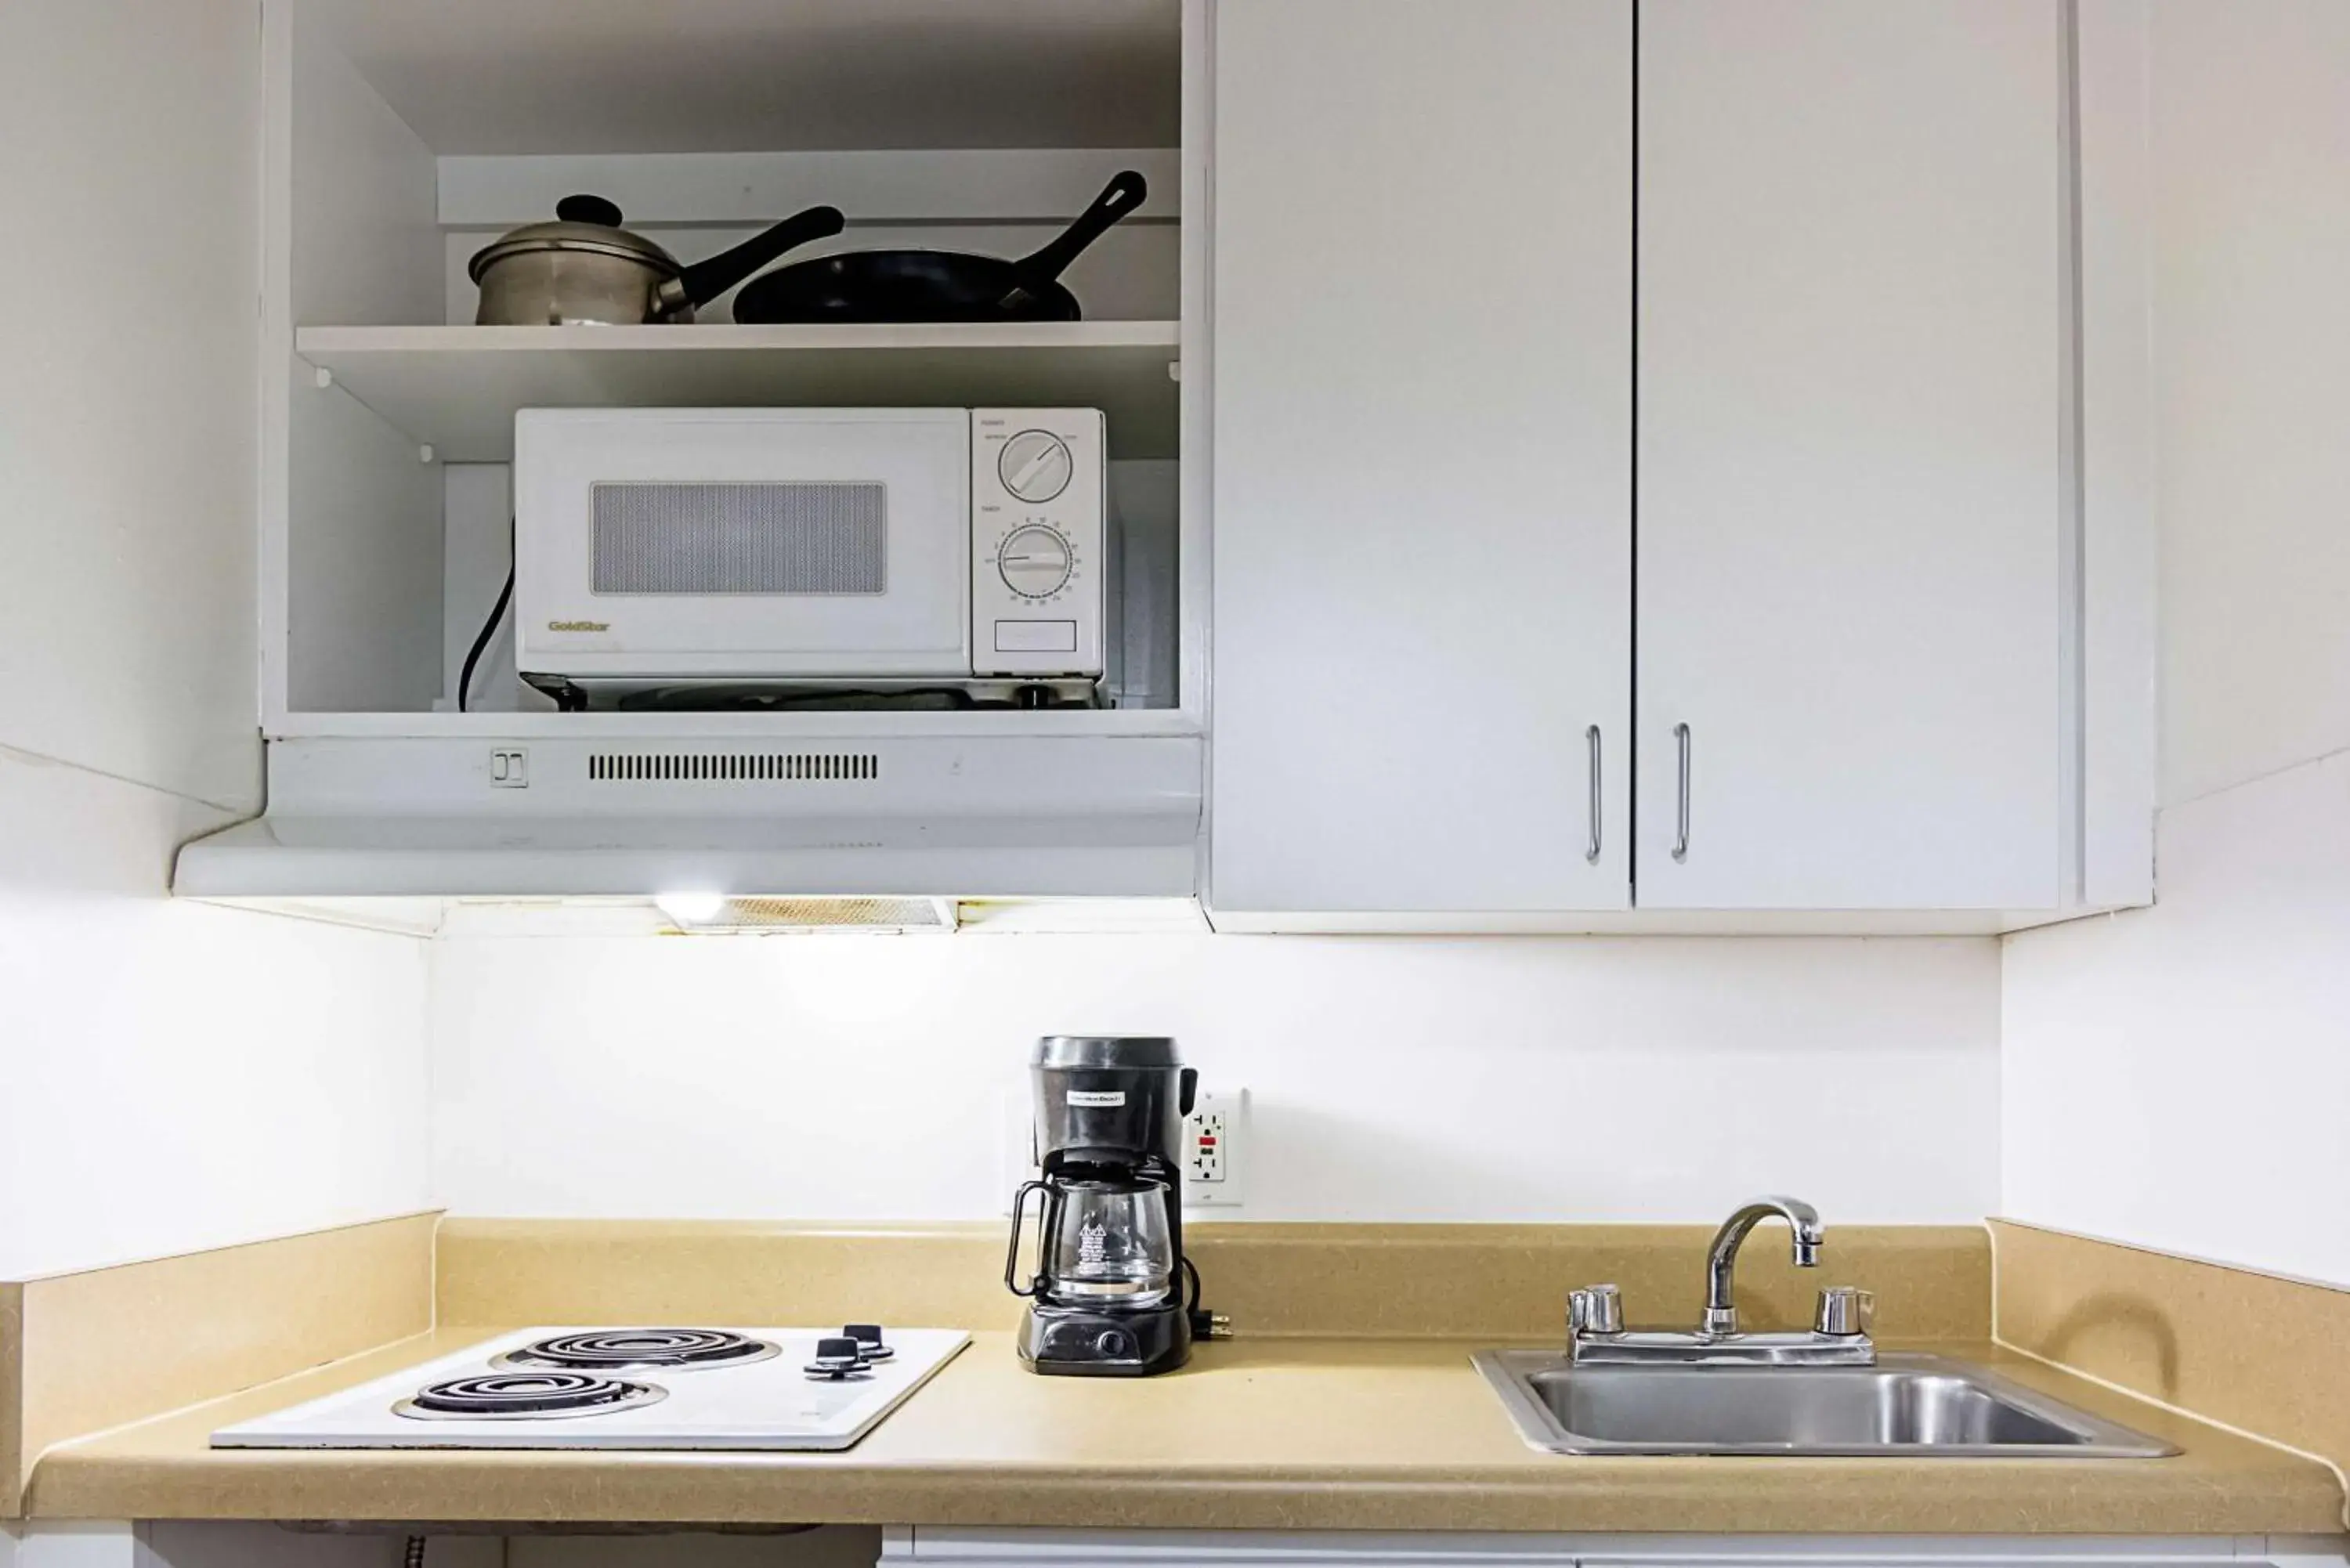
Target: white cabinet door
x,y
1421,387
1850,489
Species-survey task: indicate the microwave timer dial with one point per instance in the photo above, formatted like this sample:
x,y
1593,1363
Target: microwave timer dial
x,y
1035,561
1035,466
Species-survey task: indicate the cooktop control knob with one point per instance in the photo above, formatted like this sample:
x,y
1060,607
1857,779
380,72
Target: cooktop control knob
x,y
1034,465
870,1344
837,1360
1034,561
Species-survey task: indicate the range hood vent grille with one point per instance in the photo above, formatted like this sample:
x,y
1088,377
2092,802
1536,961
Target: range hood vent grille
x,y
734,767
755,914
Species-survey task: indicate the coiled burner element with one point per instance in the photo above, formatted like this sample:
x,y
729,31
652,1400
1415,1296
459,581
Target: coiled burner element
x,y
526,1396
638,1350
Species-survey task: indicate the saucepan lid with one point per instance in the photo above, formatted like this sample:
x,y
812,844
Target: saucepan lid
x,y
583,225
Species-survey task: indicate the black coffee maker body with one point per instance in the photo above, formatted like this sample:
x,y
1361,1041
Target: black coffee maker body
x,y
1107,1298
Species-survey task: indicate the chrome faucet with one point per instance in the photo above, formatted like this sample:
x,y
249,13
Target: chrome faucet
x,y
1721,1318
1838,1338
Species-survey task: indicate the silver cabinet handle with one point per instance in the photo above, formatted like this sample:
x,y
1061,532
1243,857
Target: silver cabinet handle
x,y
1681,802
1591,739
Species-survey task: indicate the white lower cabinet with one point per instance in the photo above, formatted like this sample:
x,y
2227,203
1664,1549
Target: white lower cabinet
x,y
950,1548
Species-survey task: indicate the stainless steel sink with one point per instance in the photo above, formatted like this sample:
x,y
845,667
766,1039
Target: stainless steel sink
x,y
1910,1405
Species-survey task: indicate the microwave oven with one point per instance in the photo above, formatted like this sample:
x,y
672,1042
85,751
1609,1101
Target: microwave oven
x,y
672,550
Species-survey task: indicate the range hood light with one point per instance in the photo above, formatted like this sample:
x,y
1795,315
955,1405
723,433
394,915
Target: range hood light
x,y
746,914
692,909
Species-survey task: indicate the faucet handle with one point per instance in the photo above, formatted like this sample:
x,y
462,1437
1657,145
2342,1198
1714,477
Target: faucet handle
x,y
1844,1312
1598,1309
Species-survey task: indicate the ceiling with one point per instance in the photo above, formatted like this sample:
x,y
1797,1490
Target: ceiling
x,y
491,76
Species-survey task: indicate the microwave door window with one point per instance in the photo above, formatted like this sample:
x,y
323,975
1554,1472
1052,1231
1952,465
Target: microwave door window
x,y
792,537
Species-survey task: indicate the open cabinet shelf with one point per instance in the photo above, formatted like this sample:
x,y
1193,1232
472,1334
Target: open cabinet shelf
x,y
455,389
386,497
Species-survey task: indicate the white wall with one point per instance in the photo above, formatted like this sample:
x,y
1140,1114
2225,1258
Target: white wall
x,y
2179,1077
178,1075
171,1076
129,139
1535,1079
2251,140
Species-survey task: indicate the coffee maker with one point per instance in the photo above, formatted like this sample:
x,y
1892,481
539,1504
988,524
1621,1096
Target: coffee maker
x,y
1107,1298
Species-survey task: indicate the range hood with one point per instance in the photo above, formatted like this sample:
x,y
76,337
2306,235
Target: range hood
x,y
989,818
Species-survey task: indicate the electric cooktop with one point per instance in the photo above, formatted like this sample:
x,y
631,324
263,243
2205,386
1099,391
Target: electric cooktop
x,y
762,1389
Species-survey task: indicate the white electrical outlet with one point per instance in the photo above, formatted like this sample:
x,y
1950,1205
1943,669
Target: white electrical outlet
x,y
1215,1139
1208,1153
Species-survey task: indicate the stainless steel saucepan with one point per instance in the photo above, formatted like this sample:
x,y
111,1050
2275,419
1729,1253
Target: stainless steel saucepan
x,y
585,268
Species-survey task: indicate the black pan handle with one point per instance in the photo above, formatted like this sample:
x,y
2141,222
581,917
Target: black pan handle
x,y
706,280
1031,273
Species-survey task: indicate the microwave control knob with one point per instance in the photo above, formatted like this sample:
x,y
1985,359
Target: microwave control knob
x,y
1034,561
1034,465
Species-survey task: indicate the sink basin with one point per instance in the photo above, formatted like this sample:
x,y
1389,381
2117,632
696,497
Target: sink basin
x,y
1911,1406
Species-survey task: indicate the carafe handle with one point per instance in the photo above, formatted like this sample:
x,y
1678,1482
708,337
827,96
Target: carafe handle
x,y
1012,1254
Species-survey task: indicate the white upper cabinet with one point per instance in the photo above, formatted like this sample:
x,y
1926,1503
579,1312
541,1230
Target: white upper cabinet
x,y
1422,299
1851,481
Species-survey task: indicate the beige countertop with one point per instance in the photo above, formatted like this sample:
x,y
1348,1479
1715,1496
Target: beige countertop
x,y
1267,1433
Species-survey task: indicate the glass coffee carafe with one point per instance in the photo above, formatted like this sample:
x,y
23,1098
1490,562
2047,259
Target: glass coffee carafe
x,y
1105,1240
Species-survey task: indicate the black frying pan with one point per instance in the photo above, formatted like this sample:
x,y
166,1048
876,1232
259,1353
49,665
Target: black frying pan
x,y
937,285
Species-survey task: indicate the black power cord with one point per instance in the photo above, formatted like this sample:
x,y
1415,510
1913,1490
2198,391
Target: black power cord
x,y
1204,1324
488,627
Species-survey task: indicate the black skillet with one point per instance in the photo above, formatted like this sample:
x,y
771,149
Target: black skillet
x,y
937,285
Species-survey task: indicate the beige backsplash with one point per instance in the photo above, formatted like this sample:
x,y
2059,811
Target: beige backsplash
x,y
1508,1282
504,1272
2261,1353
13,1468
204,1323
